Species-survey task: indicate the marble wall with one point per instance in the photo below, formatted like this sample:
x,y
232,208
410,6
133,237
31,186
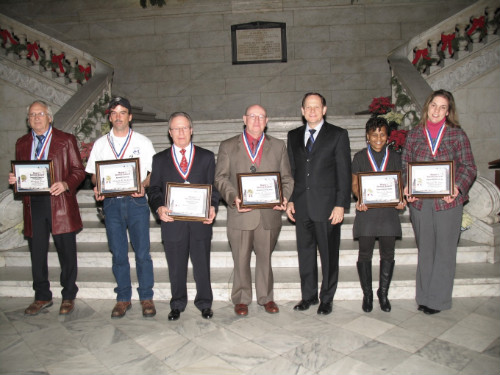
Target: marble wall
x,y
178,57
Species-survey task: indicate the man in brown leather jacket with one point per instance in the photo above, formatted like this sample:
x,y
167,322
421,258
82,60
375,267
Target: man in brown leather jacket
x,y
55,213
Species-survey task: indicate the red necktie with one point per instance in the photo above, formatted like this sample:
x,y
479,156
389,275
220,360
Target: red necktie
x,y
184,163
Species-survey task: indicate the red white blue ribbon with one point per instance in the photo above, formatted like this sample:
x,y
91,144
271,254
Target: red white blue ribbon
x,y
434,143
177,164
119,155
252,156
45,143
383,164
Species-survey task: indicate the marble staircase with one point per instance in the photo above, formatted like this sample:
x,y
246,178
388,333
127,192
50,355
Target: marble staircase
x,y
475,276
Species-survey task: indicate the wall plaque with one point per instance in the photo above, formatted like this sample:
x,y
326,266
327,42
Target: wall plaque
x,y
258,42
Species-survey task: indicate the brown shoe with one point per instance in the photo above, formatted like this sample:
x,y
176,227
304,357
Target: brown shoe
x,y
67,306
271,307
148,308
36,307
241,309
120,309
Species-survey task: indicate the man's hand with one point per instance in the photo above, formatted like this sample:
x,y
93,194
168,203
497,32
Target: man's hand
x,y
211,216
163,214
361,206
140,194
12,178
281,207
97,196
337,215
237,202
290,211
58,188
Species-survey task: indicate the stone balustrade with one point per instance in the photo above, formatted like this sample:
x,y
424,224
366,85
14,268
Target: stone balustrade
x,y
454,38
51,57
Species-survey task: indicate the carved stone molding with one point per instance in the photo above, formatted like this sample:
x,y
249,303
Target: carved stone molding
x,y
458,74
34,83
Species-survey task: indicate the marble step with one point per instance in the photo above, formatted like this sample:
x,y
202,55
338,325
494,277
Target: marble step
x,y
94,231
97,255
471,280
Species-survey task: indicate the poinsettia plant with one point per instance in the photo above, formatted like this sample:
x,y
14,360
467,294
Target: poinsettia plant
x,y
397,140
380,106
85,149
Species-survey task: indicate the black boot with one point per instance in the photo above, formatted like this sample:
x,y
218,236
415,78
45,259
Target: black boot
x,y
365,278
386,269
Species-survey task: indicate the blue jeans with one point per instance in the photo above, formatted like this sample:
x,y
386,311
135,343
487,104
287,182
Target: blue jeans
x,y
131,213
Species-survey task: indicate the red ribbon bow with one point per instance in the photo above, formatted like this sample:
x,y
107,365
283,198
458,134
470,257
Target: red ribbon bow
x,y
86,71
446,41
33,50
476,23
57,59
421,53
6,35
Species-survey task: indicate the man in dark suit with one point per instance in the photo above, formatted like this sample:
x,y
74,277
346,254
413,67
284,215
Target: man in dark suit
x,y
252,229
185,163
56,213
320,158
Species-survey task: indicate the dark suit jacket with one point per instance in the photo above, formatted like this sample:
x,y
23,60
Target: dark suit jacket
x,y
68,168
233,159
164,170
323,177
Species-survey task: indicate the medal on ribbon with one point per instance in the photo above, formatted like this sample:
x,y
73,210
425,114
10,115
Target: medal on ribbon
x,y
119,155
44,144
177,163
383,164
434,144
252,155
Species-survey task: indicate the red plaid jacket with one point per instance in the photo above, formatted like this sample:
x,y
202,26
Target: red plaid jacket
x,y
454,146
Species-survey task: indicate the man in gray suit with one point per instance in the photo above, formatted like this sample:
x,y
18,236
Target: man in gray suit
x,y
252,229
320,158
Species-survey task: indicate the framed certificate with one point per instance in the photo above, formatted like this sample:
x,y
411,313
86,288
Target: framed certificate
x,y
189,202
430,179
33,176
380,189
260,190
118,177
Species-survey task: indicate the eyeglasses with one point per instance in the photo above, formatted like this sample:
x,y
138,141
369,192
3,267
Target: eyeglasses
x,y
253,116
33,115
177,130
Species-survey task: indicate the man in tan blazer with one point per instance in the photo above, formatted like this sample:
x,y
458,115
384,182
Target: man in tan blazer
x,y
252,229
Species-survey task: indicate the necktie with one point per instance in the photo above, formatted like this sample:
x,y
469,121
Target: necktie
x,y
184,163
254,146
310,141
40,144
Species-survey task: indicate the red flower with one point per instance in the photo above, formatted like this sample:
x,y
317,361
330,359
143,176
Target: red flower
x,y
381,105
397,139
85,149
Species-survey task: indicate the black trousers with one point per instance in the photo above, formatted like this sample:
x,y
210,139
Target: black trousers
x,y
314,236
65,243
387,246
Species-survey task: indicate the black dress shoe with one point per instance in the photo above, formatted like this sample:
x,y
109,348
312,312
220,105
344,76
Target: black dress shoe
x,y
421,308
305,304
429,311
207,313
325,308
174,314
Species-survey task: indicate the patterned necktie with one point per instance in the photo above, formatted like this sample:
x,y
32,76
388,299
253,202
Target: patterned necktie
x,y
40,145
184,163
254,146
310,141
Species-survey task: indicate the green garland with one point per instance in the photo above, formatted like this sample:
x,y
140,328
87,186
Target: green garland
x,y
85,128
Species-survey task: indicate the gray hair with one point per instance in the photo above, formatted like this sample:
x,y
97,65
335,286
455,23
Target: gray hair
x,y
180,114
41,102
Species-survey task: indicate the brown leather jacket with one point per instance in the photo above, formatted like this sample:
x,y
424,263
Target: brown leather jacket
x,y
68,167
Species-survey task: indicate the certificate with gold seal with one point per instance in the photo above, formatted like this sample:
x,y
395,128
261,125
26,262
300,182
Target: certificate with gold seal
x,y
260,190
33,177
118,177
380,189
430,179
188,202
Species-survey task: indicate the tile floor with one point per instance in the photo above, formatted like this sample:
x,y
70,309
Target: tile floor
x,y
464,340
